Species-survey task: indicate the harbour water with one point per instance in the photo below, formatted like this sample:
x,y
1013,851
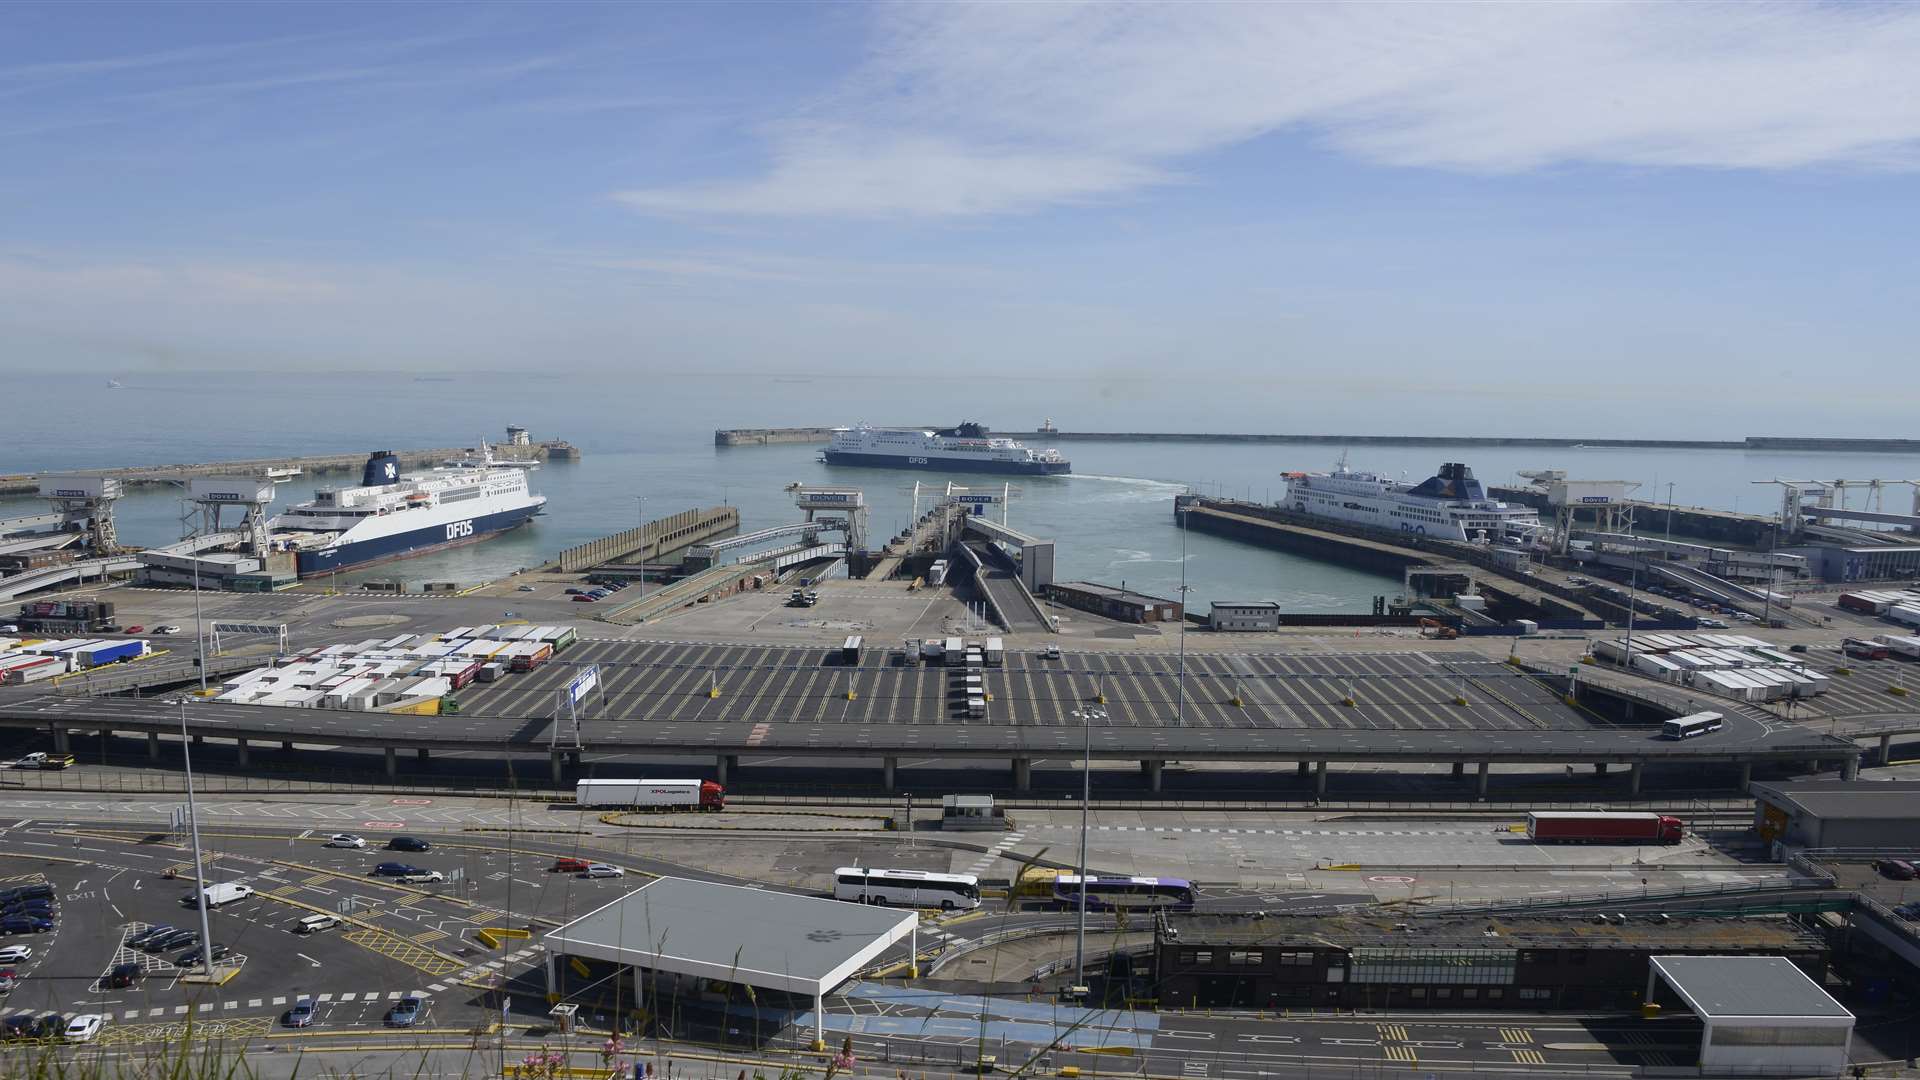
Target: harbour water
x,y
652,437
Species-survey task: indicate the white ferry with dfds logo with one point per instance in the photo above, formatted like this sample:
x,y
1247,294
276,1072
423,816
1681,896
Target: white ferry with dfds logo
x,y
390,516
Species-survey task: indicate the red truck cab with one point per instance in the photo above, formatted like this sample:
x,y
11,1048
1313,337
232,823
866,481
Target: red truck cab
x,y
712,796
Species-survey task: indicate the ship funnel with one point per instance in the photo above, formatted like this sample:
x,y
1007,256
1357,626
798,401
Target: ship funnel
x,y
382,468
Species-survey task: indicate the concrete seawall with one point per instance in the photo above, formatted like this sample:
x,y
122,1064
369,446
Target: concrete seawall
x,y
652,540
767,436
29,483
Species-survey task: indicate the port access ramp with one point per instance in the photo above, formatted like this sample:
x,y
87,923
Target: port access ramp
x,y
1012,605
19,585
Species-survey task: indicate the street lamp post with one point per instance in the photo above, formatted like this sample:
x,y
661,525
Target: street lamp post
x,y
1086,716
1669,535
641,512
193,825
1180,680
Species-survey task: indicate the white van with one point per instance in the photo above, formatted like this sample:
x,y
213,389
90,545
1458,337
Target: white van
x,y
313,924
224,893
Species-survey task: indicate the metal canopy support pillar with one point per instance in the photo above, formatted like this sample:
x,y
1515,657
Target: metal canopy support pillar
x,y
393,762
553,985
153,746
1480,783
1633,778
887,767
1886,750
1746,774
240,752
1022,774
913,951
1154,769
1319,778
819,1023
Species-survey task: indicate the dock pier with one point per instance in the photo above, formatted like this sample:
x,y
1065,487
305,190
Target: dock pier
x,y
1770,443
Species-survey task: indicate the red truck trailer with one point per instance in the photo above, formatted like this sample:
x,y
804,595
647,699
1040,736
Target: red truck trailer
x,y
1602,827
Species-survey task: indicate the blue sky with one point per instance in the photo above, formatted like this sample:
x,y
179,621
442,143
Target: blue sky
x,y
1710,197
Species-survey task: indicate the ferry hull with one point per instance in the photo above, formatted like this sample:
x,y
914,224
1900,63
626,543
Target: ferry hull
x,y
322,562
941,464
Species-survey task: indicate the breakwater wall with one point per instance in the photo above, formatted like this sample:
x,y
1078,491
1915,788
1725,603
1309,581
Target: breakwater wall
x,y
136,475
766,436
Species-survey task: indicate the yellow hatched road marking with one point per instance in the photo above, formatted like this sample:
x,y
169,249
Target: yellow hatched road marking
x,y
286,890
395,947
1529,1057
1401,1053
319,879
1516,1035
430,935
208,1030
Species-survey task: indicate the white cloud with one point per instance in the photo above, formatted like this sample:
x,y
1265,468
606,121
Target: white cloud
x,y
974,109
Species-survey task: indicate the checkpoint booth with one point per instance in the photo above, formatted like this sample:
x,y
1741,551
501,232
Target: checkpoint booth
x,y
674,943
1759,1015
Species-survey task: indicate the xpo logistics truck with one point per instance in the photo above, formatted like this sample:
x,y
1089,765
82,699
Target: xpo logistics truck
x,y
1602,827
651,794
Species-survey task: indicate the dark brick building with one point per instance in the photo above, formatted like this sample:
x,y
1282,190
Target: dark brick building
x,y
1449,962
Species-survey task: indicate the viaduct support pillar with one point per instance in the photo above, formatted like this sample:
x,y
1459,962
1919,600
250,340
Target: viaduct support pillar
x,y
1459,769
1480,783
1599,768
286,745
723,767
887,767
1153,769
559,764
1022,774
393,762
1850,769
1305,768
1319,778
153,746
1746,774
1633,779
240,752
61,745
1886,750
420,755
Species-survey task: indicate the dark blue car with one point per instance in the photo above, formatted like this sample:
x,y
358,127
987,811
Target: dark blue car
x,y
25,924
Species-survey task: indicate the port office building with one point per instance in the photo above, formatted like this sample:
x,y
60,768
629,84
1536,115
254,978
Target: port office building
x,y
1244,615
1883,814
1115,602
1449,962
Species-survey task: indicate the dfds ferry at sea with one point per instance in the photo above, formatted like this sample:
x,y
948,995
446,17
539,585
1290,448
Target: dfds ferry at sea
x,y
390,516
1450,505
966,448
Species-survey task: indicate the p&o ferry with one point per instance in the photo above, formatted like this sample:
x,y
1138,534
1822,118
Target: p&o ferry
x,y
1450,505
390,516
965,448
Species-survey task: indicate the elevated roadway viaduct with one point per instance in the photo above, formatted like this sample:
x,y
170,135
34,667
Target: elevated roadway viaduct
x,y
829,744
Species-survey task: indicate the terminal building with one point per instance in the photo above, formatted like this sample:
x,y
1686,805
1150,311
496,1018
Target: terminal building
x,y
1449,962
1115,602
1879,814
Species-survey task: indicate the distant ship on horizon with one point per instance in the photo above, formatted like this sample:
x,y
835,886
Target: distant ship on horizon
x,y
965,448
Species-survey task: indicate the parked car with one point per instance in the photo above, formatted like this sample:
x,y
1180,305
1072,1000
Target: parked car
x,y
9,979
301,1015
13,954
600,869
84,1027
22,1027
424,877
571,591
191,958
571,866
404,1012
135,629
1896,869
27,892
525,588
39,908
394,870
149,934
346,840
25,924
583,598
169,629
179,939
408,843
1797,648
122,975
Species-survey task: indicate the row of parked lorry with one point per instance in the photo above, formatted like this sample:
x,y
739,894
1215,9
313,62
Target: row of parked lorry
x,y
25,660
